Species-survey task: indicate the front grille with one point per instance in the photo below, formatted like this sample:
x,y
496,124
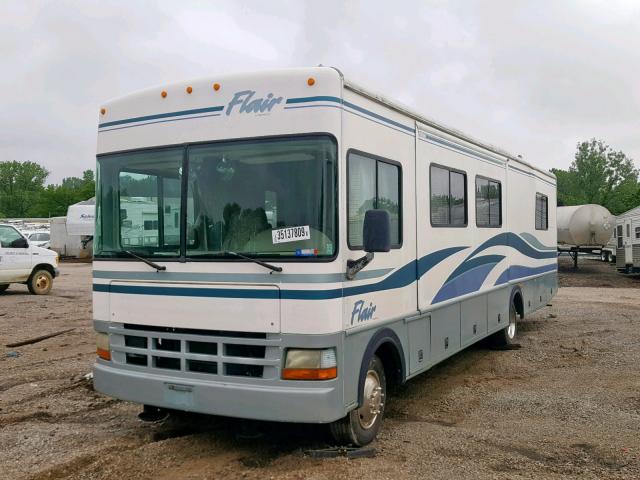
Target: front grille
x,y
197,353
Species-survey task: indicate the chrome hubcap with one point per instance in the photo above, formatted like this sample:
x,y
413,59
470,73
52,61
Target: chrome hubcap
x,y
42,282
511,329
373,400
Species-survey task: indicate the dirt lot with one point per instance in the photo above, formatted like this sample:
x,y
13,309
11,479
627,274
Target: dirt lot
x,y
566,405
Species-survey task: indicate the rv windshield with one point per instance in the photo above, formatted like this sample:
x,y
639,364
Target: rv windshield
x,y
261,198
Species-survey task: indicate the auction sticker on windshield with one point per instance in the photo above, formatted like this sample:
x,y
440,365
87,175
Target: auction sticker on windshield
x,y
290,234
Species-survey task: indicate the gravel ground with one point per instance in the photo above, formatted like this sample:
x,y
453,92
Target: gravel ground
x,y
566,405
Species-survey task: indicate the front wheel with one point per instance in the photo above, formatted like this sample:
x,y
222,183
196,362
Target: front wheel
x,y
40,282
361,425
3,287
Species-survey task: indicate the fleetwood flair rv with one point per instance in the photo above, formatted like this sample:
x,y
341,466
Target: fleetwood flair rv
x,y
311,244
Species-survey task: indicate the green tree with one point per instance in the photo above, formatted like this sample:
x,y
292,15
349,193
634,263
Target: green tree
x,y
20,185
599,175
55,199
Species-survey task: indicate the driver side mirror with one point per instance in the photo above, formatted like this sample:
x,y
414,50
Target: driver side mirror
x,y
376,232
20,243
376,237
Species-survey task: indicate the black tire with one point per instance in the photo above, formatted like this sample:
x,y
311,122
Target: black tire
x,y
362,424
604,256
3,287
507,336
40,282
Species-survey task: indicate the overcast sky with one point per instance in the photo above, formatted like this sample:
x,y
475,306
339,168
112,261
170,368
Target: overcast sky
x,y
532,77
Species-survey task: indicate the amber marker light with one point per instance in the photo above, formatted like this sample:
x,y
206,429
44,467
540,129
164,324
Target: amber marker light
x,y
103,111
189,89
216,86
163,94
311,81
102,346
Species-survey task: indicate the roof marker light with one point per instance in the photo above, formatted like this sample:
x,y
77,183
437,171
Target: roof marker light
x,y
216,86
311,81
103,111
189,89
164,94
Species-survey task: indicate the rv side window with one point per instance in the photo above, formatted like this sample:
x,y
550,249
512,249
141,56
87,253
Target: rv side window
x,y
619,235
373,184
448,197
488,202
542,212
628,230
637,232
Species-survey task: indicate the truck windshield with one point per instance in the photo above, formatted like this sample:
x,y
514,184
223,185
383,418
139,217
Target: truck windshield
x,y
261,198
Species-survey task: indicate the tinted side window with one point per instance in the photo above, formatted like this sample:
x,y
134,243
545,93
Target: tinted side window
x,y
488,202
373,184
542,212
448,197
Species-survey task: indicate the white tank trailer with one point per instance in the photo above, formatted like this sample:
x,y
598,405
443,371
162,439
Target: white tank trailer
x,y
583,228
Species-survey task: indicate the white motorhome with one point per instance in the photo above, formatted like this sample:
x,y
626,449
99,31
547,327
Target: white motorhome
x,y
627,235
23,262
330,243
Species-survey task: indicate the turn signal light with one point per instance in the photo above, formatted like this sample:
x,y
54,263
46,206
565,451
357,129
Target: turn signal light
x,y
216,86
311,81
103,354
309,373
102,346
189,89
164,94
103,111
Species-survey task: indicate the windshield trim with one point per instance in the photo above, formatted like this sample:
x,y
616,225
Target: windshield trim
x,y
182,257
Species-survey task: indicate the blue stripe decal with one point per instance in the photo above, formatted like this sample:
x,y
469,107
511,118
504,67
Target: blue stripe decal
x,y
510,239
459,148
466,278
319,98
353,106
473,263
427,262
537,243
188,291
515,272
400,278
467,282
162,115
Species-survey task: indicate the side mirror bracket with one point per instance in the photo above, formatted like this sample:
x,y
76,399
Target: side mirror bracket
x,y
354,266
376,236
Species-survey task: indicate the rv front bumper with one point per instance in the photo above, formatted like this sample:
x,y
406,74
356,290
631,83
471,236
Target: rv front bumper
x,y
303,402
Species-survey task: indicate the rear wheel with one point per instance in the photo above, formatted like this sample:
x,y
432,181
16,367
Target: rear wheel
x,y
40,282
361,425
507,335
3,287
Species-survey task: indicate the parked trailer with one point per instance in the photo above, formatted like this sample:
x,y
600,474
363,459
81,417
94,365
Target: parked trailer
x,y
583,229
330,243
628,241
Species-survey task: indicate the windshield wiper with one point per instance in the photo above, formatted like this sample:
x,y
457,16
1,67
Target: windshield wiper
x,y
148,262
254,260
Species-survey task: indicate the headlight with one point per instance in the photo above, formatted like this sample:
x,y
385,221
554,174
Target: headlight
x,y
102,346
308,364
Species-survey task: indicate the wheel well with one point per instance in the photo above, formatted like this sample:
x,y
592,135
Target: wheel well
x,y
387,346
390,357
42,266
518,302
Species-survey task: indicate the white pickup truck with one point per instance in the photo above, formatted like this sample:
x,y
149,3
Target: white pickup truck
x,y
23,263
